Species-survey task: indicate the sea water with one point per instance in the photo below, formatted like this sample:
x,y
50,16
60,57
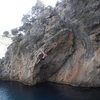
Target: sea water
x,y
46,91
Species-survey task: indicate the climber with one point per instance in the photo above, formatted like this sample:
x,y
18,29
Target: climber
x,y
42,56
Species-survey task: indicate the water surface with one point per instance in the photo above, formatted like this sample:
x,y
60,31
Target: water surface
x,y
46,91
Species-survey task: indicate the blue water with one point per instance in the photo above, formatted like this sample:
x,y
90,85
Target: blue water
x,y
46,91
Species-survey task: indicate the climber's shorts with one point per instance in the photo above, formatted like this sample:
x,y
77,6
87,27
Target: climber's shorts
x,y
42,59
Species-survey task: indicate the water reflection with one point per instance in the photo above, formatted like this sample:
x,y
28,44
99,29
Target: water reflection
x,y
46,91
3,94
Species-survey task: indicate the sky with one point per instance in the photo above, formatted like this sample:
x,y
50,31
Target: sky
x,y
11,12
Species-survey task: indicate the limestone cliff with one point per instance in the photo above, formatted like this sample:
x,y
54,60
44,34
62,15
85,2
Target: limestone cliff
x,y
70,35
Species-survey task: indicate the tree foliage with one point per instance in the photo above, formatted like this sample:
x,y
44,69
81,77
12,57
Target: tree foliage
x,y
5,33
39,6
26,18
14,31
31,17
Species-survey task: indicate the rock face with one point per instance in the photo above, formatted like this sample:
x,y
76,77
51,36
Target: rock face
x,y
70,35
